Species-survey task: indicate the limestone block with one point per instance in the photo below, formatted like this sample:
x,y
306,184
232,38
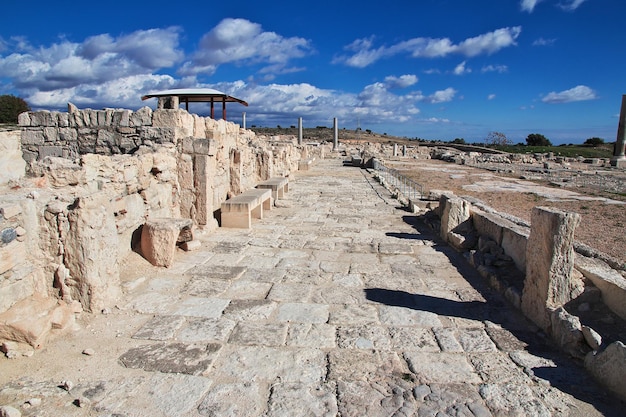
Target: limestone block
x,y
28,321
609,367
174,118
489,224
32,137
9,210
130,212
23,119
11,161
205,146
455,212
514,242
159,237
63,172
11,255
566,331
43,118
91,254
11,293
611,283
142,117
550,261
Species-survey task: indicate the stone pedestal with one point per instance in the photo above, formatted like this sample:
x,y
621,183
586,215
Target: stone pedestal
x,y
549,263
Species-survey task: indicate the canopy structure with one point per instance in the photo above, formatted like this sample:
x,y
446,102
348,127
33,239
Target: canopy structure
x,y
173,98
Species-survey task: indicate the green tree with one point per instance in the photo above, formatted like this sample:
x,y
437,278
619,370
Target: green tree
x,y
496,138
594,142
459,141
537,139
11,107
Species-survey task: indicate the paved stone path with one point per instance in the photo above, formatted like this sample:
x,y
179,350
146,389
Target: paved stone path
x,y
334,304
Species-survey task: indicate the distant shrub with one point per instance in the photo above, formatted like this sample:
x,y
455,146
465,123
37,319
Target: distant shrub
x,y
11,107
537,139
594,142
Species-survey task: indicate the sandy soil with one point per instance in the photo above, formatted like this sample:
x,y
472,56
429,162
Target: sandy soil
x,y
603,223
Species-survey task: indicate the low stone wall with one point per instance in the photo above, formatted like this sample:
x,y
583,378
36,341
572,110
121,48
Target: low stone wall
x,y
89,180
539,271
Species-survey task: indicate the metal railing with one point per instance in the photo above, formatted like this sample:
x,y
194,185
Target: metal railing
x,y
406,186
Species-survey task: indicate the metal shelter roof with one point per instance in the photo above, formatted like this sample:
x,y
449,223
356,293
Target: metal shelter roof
x,y
196,95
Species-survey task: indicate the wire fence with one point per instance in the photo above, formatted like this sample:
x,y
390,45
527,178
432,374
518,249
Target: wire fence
x,y
406,186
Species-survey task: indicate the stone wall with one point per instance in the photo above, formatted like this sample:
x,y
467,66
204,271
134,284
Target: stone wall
x,y
89,180
541,271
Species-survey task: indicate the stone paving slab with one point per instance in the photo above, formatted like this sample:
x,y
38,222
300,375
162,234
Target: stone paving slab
x,y
333,304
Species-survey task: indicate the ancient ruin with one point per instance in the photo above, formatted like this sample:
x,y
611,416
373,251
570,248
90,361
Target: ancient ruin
x,y
84,190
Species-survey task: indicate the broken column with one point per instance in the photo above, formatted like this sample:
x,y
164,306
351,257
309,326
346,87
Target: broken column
x,y
299,130
619,158
550,261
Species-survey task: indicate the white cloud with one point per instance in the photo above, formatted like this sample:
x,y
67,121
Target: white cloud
x,y
567,5
242,41
461,69
442,96
529,5
495,68
544,42
403,81
67,64
491,96
364,54
125,92
578,93
571,5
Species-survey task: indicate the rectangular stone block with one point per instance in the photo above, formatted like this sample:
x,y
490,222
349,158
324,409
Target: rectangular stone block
x,y
205,147
548,282
514,242
489,225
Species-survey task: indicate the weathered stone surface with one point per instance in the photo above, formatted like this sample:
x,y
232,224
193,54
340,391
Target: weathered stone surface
x,y
297,399
303,313
259,334
159,237
441,368
311,335
455,213
402,316
200,329
252,363
610,282
548,280
513,399
160,328
201,307
234,400
609,366
11,161
178,358
91,256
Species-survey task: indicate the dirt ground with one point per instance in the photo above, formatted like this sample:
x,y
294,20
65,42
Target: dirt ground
x,y
603,215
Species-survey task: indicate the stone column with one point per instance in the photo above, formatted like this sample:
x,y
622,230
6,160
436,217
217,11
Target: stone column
x,y
335,134
549,263
243,120
403,150
619,159
299,130
395,149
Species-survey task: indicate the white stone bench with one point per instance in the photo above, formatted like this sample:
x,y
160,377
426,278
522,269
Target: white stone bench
x,y
304,164
278,185
238,211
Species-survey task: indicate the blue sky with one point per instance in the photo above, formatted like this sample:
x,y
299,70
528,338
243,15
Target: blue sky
x,y
433,69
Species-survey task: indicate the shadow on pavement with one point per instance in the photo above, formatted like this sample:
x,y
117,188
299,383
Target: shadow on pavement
x,y
567,374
